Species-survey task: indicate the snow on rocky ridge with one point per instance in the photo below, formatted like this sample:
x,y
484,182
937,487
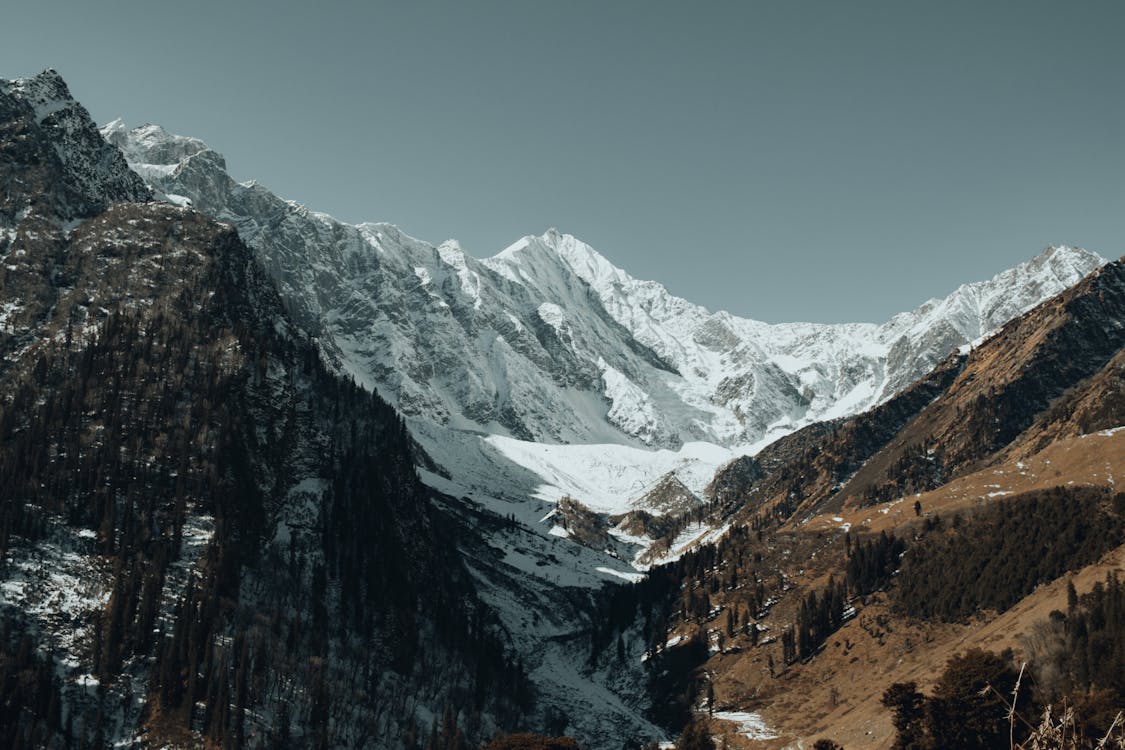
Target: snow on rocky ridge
x,y
525,375
98,171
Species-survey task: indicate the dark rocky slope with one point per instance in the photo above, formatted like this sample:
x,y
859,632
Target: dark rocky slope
x,y
207,537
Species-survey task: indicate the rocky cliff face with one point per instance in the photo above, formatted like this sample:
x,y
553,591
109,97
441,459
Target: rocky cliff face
x,y
44,133
442,335
45,129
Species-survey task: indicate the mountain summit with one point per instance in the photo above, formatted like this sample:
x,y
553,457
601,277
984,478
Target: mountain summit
x,y
46,129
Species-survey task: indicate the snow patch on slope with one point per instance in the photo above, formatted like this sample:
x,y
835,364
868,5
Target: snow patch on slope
x,y
607,477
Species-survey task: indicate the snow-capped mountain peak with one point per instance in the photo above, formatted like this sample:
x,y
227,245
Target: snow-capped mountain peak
x,y
157,145
977,309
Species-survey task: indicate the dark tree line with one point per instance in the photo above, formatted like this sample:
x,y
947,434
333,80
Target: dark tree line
x,y
871,562
1078,656
967,710
30,696
1002,553
819,616
390,594
524,741
1075,662
685,590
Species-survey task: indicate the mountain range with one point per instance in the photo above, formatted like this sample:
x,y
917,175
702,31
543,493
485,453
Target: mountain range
x,y
268,479
548,344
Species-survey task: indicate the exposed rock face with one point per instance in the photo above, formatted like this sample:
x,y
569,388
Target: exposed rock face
x,y
1097,403
444,336
1007,382
44,134
930,333
582,524
670,496
45,130
805,470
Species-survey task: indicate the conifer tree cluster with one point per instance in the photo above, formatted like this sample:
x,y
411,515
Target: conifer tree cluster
x,y
30,696
819,616
871,562
1078,656
999,555
202,402
968,709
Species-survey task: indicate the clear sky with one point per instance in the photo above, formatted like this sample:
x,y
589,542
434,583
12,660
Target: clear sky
x,y
783,160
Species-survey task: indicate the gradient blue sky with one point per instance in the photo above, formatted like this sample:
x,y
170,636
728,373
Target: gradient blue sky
x,y
823,161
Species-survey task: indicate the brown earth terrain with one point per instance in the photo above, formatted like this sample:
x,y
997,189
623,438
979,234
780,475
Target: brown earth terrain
x,y
836,693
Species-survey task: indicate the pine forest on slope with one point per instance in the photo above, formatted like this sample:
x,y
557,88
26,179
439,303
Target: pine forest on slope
x,y
193,510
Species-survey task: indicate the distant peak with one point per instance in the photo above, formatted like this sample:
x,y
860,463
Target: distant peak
x,y
555,238
511,250
47,78
94,173
554,246
1065,259
451,252
152,144
1069,251
49,81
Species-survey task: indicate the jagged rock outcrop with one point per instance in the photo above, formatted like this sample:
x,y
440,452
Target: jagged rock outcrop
x,y
46,130
669,496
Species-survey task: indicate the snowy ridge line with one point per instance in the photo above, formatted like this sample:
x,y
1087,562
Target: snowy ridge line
x,y
548,341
